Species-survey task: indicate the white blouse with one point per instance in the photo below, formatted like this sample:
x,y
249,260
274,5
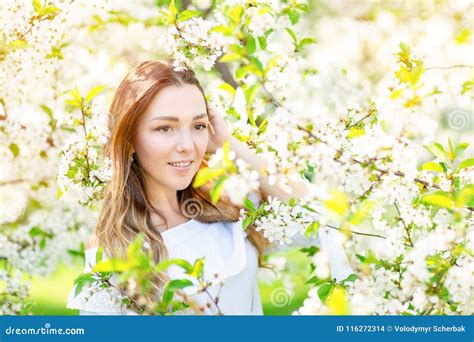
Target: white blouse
x,y
227,252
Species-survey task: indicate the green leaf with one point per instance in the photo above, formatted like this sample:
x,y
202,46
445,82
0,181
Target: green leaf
x,y
251,45
99,255
443,165
262,41
135,248
323,291
450,152
248,204
42,243
338,203
416,73
337,301
466,163
256,62
465,196
235,14
206,174
369,259
17,44
363,211
432,166
75,253
312,229
227,87
263,125
179,284
37,231
198,269
351,277
294,16
242,72
76,99
251,93
37,6
316,281
463,36
230,57
167,296
292,35
467,87
93,93
216,190
50,12
303,7
438,199
437,150
15,150
460,148
247,222
173,12
306,41
59,194
405,48
47,110
162,266
225,30
82,280
188,14
111,265
355,132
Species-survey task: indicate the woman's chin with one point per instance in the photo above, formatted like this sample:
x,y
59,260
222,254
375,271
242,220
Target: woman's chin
x,y
182,185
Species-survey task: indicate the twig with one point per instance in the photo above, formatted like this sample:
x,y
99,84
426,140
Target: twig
x,y
121,291
214,301
359,121
449,67
85,136
4,115
404,225
22,180
226,75
397,173
355,232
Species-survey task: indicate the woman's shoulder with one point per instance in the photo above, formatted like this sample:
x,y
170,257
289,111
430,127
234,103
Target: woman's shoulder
x,y
226,227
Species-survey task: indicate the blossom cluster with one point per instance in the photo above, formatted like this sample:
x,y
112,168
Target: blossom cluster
x,y
193,43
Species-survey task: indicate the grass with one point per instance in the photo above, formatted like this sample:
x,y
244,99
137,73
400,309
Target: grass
x,y
49,294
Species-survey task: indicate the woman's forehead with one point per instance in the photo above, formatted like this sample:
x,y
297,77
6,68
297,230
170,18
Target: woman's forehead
x,y
181,102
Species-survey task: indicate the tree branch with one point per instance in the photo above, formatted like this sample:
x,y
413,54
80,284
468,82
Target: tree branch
x,y
449,67
404,225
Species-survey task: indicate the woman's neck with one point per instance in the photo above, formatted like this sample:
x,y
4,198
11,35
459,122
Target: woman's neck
x,y
165,201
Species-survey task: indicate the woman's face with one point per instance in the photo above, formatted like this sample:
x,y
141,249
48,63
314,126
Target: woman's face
x,y
173,129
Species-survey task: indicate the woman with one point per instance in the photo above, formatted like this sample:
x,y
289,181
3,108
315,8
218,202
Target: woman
x,y
161,128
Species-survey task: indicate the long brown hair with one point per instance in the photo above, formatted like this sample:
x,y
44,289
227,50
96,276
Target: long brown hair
x,y
127,210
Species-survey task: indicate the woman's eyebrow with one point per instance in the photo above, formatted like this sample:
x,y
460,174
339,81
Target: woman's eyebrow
x,y
175,118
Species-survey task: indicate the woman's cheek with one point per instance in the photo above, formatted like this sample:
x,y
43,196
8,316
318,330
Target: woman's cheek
x,y
204,143
156,150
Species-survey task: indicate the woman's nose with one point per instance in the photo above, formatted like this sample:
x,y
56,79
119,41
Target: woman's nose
x,y
185,142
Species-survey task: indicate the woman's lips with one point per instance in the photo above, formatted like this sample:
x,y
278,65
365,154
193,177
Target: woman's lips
x,y
181,166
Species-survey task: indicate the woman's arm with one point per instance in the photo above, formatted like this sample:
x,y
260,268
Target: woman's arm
x,y
220,133
242,151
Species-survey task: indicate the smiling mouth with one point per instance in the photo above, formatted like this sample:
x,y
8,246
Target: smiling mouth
x,y
181,165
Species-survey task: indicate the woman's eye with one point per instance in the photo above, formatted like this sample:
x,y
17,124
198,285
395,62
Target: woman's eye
x,y
163,129
201,127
